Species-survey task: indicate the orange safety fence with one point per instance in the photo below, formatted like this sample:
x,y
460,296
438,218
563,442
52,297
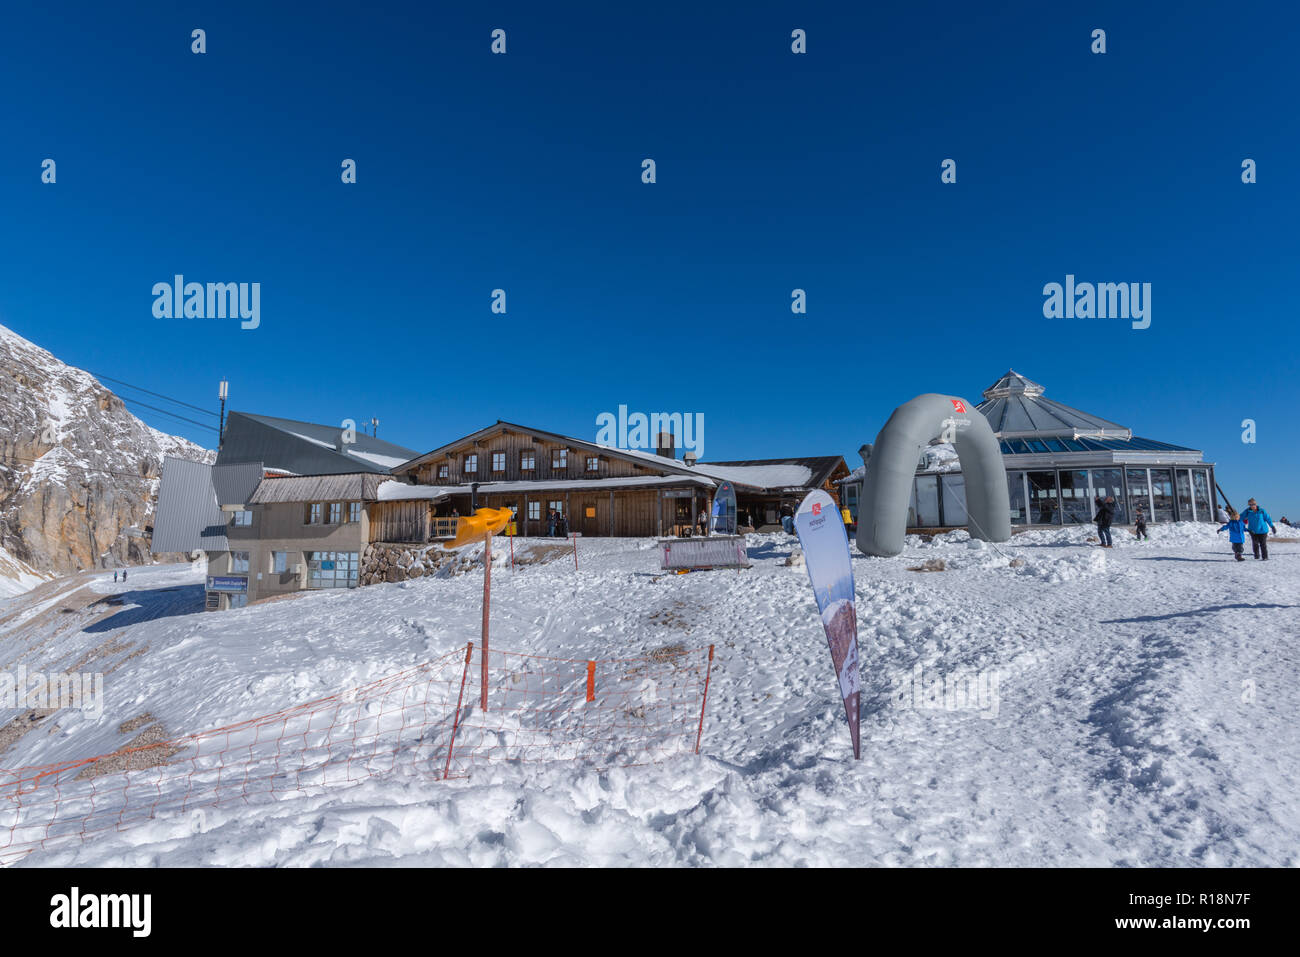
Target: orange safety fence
x,y
420,721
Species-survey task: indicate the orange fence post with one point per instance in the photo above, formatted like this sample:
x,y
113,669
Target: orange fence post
x,y
705,700
469,652
512,553
487,601
591,681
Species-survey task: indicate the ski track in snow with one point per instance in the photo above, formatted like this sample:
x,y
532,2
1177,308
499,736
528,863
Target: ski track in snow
x,y
1122,733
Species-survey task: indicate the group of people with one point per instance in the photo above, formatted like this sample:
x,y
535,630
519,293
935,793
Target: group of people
x,y
1255,522
557,523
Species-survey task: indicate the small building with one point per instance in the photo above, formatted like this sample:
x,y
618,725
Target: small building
x,y
264,534
1058,460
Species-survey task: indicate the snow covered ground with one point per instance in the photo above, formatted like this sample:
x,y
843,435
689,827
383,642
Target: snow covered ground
x,y
1133,707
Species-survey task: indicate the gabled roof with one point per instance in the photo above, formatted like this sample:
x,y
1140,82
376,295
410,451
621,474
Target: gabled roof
x,y
1016,408
662,463
305,448
771,474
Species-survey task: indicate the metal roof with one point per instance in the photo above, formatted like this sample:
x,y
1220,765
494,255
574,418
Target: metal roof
x,y
1016,408
188,517
234,484
305,448
357,487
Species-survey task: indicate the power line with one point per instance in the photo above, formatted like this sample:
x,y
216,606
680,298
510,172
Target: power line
x,y
159,395
202,425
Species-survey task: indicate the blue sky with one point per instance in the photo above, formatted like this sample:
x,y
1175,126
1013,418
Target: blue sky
x,y
775,172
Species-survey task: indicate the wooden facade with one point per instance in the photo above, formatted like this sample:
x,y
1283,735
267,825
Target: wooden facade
x,y
533,472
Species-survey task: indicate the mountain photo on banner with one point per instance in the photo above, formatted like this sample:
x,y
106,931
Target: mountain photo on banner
x,y
830,571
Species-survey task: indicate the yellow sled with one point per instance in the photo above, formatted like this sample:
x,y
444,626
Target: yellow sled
x,y
473,528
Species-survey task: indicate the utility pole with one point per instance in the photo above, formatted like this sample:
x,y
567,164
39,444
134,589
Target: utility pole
x,y
222,392
374,427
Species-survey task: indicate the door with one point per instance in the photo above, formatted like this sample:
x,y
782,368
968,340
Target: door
x,y
590,527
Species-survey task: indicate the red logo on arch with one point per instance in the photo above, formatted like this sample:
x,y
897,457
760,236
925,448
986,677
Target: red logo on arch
x,y
959,405
817,508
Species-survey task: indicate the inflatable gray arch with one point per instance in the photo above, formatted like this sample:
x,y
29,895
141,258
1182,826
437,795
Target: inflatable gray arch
x,y
887,487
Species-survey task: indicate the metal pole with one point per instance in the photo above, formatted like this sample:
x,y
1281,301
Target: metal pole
x,y
469,651
487,601
704,700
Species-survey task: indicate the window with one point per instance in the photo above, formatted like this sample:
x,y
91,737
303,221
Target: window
x,y
332,569
593,463
239,563
471,465
354,511
336,513
279,563
243,518
559,458
527,461
498,461
237,601
534,510
443,472
555,507
314,513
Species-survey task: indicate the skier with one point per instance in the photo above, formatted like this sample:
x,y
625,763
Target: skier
x,y
1105,515
1257,521
123,574
1140,525
1236,534
115,576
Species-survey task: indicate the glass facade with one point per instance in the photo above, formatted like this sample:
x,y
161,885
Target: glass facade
x,y
332,569
1043,506
1016,491
1201,494
1076,502
1162,495
1067,496
1183,483
927,500
954,498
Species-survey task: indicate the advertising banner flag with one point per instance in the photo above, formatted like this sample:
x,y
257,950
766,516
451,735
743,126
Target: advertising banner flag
x,y
830,570
724,510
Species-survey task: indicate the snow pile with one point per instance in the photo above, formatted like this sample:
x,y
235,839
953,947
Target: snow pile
x,y
1134,707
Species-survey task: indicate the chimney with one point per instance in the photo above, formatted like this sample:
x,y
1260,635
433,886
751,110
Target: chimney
x,y
664,445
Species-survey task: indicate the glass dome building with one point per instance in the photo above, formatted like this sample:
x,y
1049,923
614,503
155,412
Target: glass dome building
x,y
1058,459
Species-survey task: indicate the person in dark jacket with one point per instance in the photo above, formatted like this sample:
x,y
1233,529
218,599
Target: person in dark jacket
x,y
1105,515
1258,524
1236,529
1140,524
550,522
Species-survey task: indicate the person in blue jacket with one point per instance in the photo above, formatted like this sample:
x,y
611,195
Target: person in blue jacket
x,y
1258,522
1236,534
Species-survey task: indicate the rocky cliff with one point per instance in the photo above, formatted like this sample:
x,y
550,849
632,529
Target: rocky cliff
x,y
78,472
